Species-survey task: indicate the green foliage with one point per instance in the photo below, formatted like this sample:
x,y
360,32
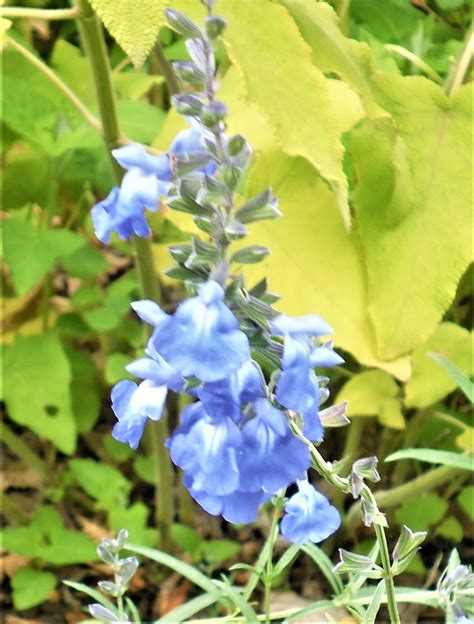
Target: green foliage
x,y
420,514
135,518
31,253
212,551
432,456
46,539
37,377
31,587
105,484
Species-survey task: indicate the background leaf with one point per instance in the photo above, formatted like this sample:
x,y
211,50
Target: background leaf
x,y
31,587
432,456
134,25
37,378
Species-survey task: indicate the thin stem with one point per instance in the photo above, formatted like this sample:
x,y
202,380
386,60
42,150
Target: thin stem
x,y
46,14
96,51
388,574
62,86
23,451
166,69
353,437
458,71
415,60
342,8
268,579
95,48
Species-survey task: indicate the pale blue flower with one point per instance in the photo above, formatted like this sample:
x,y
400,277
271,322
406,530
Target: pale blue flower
x,y
203,338
133,405
309,516
272,457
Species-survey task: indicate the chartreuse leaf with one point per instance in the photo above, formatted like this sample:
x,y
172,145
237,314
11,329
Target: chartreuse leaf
x,y
134,25
332,51
430,382
373,393
45,538
433,456
415,255
37,378
325,260
30,253
31,587
85,397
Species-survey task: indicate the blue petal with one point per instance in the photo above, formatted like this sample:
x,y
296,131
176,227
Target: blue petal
x,y
132,406
134,155
102,216
298,387
309,516
203,337
191,141
238,507
325,356
158,371
225,397
310,325
272,457
141,188
207,451
149,311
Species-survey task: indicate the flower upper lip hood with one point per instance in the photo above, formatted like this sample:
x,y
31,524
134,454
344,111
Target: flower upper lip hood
x,y
203,337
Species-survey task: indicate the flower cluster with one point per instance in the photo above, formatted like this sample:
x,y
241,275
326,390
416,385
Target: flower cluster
x,y
235,442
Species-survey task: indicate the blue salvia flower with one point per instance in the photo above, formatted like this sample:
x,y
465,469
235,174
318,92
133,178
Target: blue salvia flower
x,y
203,337
298,386
133,405
309,516
147,179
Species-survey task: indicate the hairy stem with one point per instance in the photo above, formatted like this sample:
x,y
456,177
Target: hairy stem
x,y
62,86
46,14
166,69
94,46
269,567
388,573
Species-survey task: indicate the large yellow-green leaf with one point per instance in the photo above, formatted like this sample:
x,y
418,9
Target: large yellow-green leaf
x,y
331,50
315,263
430,382
373,393
134,24
413,207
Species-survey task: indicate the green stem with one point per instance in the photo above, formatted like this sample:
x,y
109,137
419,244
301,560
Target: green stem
x,y
166,69
96,51
95,48
412,489
388,574
459,69
342,8
23,451
351,447
415,60
62,86
46,14
268,578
